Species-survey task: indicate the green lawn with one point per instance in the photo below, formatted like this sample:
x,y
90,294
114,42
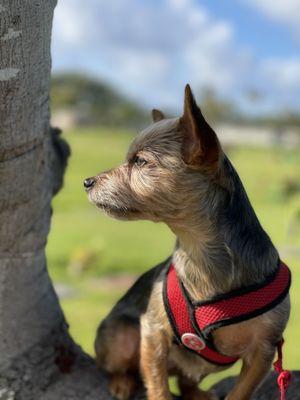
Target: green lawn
x,y
85,246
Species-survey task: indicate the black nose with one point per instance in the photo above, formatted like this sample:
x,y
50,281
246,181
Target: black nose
x,y
89,182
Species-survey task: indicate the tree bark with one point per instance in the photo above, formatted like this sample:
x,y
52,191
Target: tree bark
x,y
268,391
38,359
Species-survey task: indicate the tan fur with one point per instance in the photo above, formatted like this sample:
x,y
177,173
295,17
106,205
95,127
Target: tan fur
x,y
182,183
118,351
122,386
121,350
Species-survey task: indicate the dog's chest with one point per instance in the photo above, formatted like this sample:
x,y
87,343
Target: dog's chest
x,y
189,364
235,340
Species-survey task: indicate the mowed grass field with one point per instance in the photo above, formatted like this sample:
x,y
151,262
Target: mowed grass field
x,y
93,259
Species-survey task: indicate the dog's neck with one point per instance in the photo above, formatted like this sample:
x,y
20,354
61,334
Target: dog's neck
x,y
205,266
223,247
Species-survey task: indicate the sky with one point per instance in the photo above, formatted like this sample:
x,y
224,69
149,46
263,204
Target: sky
x,y
247,51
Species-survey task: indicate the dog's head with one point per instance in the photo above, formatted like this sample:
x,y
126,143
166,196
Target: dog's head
x,y
169,170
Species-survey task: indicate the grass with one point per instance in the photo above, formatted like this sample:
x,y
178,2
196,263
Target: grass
x,y
84,246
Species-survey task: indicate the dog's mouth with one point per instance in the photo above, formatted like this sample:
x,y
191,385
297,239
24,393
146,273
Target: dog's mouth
x,y
116,210
112,208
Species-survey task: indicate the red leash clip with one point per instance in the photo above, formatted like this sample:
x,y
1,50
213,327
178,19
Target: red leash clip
x,y
284,377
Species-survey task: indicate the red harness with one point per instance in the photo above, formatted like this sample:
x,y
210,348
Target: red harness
x,y
193,322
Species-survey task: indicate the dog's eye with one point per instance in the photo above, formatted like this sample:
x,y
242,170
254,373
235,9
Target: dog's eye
x,y
139,161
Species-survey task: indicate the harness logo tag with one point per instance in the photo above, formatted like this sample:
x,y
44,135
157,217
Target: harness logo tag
x,y
192,341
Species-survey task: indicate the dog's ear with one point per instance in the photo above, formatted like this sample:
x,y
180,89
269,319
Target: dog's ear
x,y
157,115
201,147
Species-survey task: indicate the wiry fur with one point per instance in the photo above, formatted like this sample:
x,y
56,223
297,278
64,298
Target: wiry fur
x,y
176,172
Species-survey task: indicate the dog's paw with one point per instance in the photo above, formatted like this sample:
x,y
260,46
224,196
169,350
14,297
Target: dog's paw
x,y
210,395
122,387
197,394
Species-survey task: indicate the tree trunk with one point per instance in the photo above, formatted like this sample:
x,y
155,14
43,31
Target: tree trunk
x,y
38,359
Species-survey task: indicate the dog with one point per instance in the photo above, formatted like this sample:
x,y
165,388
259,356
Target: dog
x,y
177,173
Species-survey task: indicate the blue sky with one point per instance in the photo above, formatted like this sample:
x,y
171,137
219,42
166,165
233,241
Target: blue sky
x,y
149,49
255,29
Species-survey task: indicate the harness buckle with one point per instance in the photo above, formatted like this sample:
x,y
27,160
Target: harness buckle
x,y
193,342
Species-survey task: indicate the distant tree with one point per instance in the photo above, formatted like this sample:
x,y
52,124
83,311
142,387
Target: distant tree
x,y
94,102
215,108
253,95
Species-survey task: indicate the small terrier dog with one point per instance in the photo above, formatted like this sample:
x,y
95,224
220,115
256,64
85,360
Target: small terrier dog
x,y
177,172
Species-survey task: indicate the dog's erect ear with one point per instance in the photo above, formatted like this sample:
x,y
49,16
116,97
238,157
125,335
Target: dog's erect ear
x,y
157,115
200,143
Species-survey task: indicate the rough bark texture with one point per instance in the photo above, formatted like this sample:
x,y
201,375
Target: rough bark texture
x,y
268,391
38,359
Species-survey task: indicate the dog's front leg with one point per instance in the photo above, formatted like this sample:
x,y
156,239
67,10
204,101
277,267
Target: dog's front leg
x,y
154,359
254,370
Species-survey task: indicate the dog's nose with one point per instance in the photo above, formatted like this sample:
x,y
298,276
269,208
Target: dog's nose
x,y
89,182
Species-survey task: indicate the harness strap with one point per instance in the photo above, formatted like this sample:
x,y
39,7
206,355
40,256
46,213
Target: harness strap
x,y
183,324
192,322
284,377
242,304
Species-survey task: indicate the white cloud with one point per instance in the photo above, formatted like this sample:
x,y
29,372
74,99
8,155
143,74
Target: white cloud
x,y
69,28
284,74
150,49
283,11
283,82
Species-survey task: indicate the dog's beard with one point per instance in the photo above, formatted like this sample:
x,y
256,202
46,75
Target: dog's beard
x,y
118,212
113,208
